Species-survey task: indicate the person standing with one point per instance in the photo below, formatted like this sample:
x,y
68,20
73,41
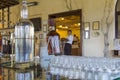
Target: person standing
x,y
68,44
53,39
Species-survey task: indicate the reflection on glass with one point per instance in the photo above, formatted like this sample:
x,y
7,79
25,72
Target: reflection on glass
x,y
118,27
87,30
87,26
24,75
86,35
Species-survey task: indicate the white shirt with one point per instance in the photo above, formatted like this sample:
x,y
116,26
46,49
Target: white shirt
x,y
55,43
70,39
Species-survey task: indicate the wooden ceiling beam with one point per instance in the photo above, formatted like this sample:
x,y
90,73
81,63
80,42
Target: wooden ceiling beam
x,y
8,3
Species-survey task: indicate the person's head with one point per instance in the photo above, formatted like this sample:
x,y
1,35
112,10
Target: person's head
x,y
74,35
69,32
8,41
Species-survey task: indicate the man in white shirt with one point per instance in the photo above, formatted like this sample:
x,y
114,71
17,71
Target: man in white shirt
x,y
68,44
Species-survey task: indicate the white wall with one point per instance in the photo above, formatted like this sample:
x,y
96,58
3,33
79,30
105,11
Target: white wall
x,y
92,10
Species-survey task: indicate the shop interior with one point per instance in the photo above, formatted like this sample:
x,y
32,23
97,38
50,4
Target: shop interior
x,y
69,21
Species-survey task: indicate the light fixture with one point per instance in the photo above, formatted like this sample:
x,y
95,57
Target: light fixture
x,y
66,27
62,18
57,30
78,24
75,24
60,26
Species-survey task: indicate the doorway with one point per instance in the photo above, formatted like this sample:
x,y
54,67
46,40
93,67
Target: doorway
x,y
71,20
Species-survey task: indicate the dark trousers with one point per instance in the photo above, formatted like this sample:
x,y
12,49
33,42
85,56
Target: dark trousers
x,y
67,49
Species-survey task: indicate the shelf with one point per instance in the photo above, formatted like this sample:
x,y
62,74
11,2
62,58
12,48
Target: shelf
x,y
8,3
7,28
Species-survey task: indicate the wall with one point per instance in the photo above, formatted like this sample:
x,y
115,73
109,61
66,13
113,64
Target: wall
x,y
91,11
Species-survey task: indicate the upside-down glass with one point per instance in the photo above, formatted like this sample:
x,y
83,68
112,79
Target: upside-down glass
x,y
88,68
28,75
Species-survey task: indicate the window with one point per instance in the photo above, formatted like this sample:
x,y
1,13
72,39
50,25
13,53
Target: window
x,y
37,23
117,20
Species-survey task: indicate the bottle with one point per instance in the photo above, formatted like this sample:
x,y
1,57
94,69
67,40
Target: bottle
x,y
24,39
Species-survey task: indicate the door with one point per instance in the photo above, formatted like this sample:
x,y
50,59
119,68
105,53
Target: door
x,y
70,20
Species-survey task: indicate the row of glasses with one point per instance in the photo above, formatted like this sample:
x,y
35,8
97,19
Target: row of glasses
x,y
75,67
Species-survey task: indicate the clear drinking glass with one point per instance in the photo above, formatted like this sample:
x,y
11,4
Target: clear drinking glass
x,y
28,75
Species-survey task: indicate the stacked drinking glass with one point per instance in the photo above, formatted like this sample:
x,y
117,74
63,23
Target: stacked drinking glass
x,y
85,68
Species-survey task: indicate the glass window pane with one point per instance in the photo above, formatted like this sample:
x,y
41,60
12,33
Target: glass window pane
x,y
118,26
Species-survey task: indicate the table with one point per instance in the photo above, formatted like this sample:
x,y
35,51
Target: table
x,y
33,73
11,73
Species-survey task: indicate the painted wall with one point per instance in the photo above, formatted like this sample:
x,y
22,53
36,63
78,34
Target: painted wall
x,y
92,10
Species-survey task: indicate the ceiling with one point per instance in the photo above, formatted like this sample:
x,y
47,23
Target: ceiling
x,y
8,3
72,21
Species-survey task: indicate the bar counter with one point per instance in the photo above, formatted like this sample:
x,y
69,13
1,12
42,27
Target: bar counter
x,y
9,72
